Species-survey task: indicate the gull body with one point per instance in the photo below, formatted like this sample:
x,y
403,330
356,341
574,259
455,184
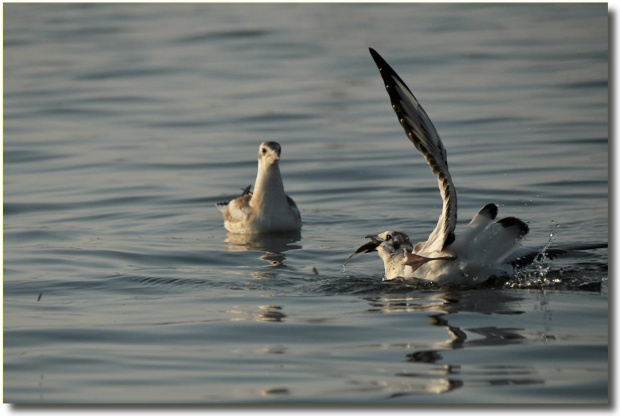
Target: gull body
x,y
486,248
267,209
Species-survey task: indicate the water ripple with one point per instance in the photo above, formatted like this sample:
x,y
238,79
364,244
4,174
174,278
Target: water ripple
x,y
223,35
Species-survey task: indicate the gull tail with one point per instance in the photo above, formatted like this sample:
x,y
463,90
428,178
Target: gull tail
x,y
485,241
221,206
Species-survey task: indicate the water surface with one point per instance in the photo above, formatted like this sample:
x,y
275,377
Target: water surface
x,y
124,124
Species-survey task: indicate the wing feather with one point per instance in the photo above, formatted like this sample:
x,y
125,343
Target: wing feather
x,y
236,209
422,133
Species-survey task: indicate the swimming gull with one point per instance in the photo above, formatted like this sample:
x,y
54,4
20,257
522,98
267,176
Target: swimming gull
x,y
486,247
267,209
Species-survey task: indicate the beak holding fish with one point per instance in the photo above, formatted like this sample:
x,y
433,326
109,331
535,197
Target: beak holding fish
x,y
366,248
393,243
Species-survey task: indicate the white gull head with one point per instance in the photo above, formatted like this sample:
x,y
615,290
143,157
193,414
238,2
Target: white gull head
x,y
269,154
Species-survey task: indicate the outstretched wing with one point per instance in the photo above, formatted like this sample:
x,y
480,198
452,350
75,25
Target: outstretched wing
x,y
422,133
524,256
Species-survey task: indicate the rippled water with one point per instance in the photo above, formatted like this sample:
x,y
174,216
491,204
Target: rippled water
x,y
124,124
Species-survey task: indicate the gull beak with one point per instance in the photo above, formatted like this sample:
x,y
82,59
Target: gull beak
x,y
375,239
366,248
273,155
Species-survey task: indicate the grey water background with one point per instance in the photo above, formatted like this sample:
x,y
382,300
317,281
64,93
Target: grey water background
x,y
124,124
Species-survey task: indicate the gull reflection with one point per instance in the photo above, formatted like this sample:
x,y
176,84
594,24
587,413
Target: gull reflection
x,y
429,374
272,247
269,313
448,302
422,385
265,313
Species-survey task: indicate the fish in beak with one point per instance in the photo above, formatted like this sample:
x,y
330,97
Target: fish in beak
x,y
369,247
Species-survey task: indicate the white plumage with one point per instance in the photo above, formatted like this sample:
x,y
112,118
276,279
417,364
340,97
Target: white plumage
x,y
484,249
267,209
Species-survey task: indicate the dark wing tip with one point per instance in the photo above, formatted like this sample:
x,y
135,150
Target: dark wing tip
x,y
515,222
375,56
490,211
291,203
382,64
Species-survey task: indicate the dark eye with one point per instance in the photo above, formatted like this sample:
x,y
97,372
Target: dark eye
x,y
264,150
388,237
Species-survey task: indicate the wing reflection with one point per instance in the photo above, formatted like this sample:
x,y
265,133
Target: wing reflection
x,y
272,245
265,313
269,313
448,302
428,374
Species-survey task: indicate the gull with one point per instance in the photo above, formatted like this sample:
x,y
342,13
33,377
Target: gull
x,y
268,209
486,248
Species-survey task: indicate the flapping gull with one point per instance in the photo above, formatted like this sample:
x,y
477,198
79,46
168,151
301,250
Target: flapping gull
x,y
484,249
268,209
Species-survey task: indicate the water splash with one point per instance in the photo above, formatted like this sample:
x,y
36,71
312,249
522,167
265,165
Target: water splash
x,y
538,277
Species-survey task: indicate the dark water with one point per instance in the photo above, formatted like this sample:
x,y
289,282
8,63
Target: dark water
x,y
124,124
